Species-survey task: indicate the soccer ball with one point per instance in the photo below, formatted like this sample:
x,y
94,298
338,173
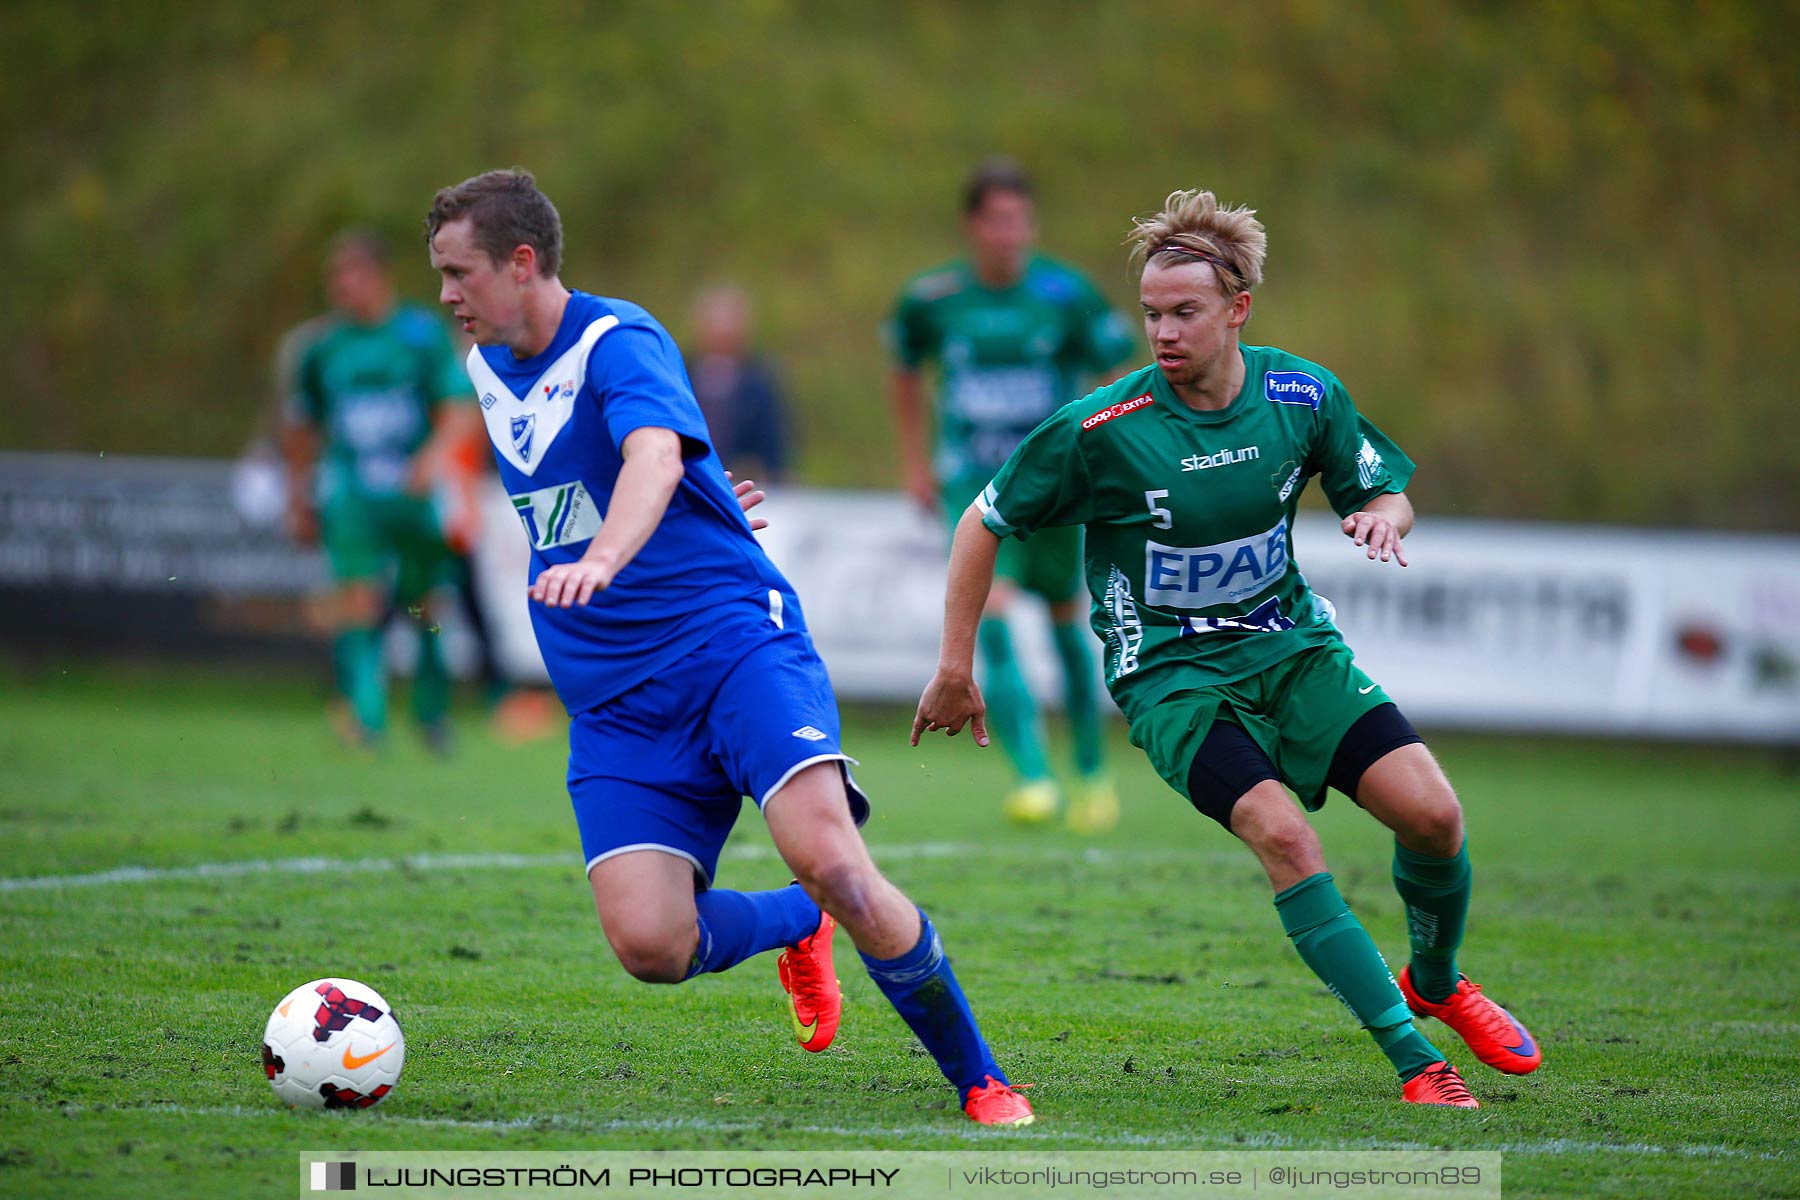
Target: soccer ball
x,y
333,1043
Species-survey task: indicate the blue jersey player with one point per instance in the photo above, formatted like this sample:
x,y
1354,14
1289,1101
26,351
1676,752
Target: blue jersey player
x,y
679,650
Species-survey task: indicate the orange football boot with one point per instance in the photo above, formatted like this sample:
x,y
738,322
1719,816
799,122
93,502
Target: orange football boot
x,y
1494,1034
1438,1084
995,1103
816,1000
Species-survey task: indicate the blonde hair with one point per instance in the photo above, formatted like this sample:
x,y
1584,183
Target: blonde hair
x,y
1193,228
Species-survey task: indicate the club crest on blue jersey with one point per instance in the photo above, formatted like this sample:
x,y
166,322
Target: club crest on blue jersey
x,y
522,429
1293,387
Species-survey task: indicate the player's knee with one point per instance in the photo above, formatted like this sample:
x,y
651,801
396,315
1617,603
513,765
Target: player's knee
x,y
1289,843
653,964
1437,823
844,887
649,958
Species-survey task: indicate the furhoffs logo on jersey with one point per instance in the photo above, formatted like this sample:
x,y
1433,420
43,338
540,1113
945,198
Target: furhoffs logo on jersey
x,y
522,429
1117,410
1293,387
559,391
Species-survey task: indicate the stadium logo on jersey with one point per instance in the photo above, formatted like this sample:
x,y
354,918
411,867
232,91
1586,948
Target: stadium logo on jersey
x,y
1368,465
1285,487
488,400
1293,387
557,516
1202,576
1117,410
1224,458
1264,618
522,428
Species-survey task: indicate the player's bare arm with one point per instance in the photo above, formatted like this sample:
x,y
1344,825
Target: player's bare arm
x,y
653,469
1381,524
906,391
454,423
300,451
952,698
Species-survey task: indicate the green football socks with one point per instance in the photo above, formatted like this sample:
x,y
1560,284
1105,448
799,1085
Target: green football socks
x,y
357,652
1012,714
431,680
1436,892
1340,952
1072,650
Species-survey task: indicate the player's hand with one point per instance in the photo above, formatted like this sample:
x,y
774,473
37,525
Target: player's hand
x,y
1377,533
923,489
421,470
303,523
950,702
749,496
567,584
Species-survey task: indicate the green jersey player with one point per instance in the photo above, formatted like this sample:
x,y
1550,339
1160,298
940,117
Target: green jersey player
x,y
376,399
1013,336
1185,475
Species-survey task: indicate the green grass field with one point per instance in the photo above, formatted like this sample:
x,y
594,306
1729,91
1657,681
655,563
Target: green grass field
x,y
1637,906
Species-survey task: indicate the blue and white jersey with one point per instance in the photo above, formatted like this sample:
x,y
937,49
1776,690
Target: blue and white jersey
x,y
557,421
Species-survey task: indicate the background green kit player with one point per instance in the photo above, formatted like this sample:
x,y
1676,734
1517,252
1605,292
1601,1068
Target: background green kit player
x,y
375,396
1185,475
1014,336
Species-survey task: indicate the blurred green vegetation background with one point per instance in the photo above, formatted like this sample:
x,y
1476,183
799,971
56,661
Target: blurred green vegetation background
x,y
1549,247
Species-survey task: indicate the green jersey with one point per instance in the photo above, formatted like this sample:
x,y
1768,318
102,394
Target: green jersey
x,y
1188,516
1008,357
372,391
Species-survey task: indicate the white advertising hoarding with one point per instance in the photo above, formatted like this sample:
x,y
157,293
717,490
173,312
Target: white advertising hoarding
x,y
1493,625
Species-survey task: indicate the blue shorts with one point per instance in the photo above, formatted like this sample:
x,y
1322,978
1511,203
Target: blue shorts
x,y
666,765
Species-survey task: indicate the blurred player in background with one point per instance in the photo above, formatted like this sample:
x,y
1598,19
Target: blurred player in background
x,y
737,389
1186,475
680,651
376,403
1015,336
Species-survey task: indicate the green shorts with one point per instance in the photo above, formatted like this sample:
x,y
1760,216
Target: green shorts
x,y
1047,564
1297,711
393,540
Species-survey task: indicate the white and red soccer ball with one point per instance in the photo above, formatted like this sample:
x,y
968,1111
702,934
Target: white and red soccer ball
x,y
333,1043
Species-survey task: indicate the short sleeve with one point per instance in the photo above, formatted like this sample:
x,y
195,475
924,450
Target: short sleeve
x,y
908,332
1044,483
641,382
296,376
1354,460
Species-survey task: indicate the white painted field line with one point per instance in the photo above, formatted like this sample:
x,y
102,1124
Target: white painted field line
x,y
1045,1132
481,862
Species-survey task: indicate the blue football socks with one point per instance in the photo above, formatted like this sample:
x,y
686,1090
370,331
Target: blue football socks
x,y
923,990
737,925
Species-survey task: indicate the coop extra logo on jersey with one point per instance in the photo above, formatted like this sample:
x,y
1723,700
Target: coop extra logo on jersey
x,y
1201,576
1117,410
1293,387
557,516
